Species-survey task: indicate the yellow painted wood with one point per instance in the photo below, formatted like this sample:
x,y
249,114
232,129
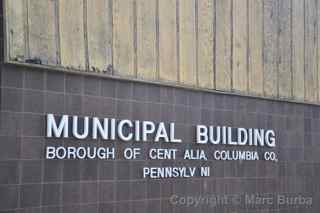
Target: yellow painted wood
x,y
42,31
123,35
240,45
298,49
146,39
15,10
35,29
255,65
72,48
168,40
270,48
206,43
223,45
99,34
311,81
285,83
187,42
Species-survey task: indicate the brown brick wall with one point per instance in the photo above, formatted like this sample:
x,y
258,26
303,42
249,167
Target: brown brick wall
x,y
29,183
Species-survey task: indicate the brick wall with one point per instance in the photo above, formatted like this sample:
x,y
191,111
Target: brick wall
x,y
29,183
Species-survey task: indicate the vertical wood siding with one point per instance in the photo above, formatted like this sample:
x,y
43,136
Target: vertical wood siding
x,y
99,39
261,47
16,32
123,37
205,43
298,49
270,48
223,45
310,55
146,39
187,42
71,33
168,59
284,54
41,31
255,55
240,45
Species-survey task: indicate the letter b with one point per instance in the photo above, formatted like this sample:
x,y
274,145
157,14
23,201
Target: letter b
x,y
202,134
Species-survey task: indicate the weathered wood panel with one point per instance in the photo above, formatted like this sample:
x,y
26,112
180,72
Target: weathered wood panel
x,y
311,81
240,45
285,75
206,21
72,44
270,50
16,14
298,49
223,45
255,47
265,47
146,39
187,45
42,31
123,37
99,34
168,40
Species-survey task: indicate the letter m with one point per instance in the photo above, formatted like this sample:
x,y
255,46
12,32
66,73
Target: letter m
x,y
54,130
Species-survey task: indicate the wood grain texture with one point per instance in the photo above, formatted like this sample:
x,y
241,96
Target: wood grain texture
x,y
311,76
99,34
146,39
255,65
187,42
42,31
270,47
16,14
123,37
298,49
240,46
285,75
168,40
206,12
72,42
223,45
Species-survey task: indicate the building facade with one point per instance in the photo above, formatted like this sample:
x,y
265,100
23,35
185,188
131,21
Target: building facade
x,y
160,106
